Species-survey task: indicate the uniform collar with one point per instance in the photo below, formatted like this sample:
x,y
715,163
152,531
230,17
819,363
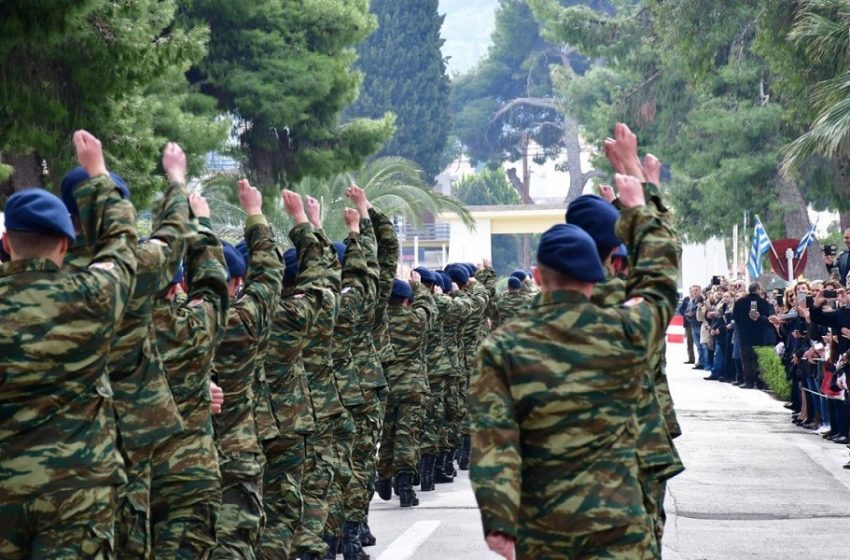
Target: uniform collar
x,y
28,265
558,297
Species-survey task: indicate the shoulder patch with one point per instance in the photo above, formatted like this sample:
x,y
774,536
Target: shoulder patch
x,y
634,301
196,302
103,265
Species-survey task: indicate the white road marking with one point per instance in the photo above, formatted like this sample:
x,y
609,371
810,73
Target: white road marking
x,y
405,546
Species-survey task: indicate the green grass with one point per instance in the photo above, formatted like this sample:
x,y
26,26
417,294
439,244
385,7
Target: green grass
x,y
773,372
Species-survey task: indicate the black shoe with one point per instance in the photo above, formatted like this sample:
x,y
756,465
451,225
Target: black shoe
x,y
352,549
747,386
847,466
689,362
788,405
463,460
698,366
366,536
333,545
406,495
841,439
426,481
440,468
384,488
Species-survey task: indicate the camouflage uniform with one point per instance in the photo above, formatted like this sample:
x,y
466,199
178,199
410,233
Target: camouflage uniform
x,y
453,319
471,335
553,401
408,380
292,406
145,411
511,305
59,463
186,486
241,517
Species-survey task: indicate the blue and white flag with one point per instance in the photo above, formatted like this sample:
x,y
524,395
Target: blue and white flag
x,y
807,241
761,245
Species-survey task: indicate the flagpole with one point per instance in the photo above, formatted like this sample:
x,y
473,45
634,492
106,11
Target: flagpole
x,y
775,254
746,245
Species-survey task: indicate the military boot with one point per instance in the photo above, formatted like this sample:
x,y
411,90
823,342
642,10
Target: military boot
x,y
366,536
333,546
442,468
427,474
454,455
463,460
351,547
407,497
416,473
384,488
307,555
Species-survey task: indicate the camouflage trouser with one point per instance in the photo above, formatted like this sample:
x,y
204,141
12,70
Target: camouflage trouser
x,y
399,450
282,501
344,471
65,525
132,514
660,519
434,436
319,470
241,518
632,542
185,494
654,491
456,412
368,419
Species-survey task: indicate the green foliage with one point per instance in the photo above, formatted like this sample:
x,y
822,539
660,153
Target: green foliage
x,y
405,73
487,188
128,88
773,372
284,69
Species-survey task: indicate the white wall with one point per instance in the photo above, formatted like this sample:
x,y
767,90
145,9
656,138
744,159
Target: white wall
x,y
702,261
470,246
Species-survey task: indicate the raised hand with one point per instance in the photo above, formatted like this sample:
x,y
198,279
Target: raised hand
x,y
217,398
294,206
174,163
607,193
652,169
414,277
250,198
352,219
314,212
631,191
358,197
89,153
625,151
199,206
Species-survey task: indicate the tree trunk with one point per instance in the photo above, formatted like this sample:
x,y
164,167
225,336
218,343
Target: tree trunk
x,y
844,221
27,173
797,223
572,146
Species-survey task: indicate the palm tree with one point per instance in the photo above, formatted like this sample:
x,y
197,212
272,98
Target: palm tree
x,y
821,29
394,185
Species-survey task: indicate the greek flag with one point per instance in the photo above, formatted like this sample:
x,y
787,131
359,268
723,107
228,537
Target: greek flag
x,y
806,242
761,244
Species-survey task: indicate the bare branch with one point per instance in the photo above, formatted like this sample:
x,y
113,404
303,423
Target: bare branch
x,y
541,102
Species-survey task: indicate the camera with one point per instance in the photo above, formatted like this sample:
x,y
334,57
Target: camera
x,y
830,294
780,300
715,280
829,250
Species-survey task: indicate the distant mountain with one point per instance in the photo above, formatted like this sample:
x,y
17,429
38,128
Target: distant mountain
x,y
467,30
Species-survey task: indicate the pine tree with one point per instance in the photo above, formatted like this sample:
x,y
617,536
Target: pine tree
x,y
405,72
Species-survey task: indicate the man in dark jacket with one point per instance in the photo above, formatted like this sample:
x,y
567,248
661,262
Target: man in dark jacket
x,y
751,314
689,335
842,261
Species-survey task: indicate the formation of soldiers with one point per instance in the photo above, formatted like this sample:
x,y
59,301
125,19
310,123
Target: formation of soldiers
x,y
183,397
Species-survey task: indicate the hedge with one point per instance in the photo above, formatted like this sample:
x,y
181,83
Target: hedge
x,y
773,372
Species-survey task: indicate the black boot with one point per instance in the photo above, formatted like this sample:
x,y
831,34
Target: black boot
x,y
351,547
416,479
427,475
384,488
454,455
307,555
406,495
463,460
440,467
333,545
366,536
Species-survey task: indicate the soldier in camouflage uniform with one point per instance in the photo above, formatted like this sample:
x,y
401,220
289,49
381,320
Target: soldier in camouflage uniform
x,y
186,486
241,517
145,411
554,396
59,463
410,312
512,303
304,289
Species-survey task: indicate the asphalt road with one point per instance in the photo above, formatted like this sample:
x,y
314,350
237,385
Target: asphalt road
x,y
756,487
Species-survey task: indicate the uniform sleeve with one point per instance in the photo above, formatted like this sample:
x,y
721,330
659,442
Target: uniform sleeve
x,y
111,221
356,269
651,286
496,457
299,310
264,277
206,277
388,247
168,237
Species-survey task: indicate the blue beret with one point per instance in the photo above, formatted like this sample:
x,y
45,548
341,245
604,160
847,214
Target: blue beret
x,y
78,175
242,247
519,274
569,249
401,289
471,268
445,281
340,251
38,211
514,283
236,264
427,275
458,273
290,262
622,251
598,218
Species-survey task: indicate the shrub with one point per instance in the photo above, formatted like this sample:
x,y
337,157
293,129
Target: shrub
x,y
773,372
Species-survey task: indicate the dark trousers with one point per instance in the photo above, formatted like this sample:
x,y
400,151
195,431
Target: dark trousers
x,y
749,364
689,340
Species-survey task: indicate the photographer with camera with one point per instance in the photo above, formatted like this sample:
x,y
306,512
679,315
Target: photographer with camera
x,y
841,262
751,314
